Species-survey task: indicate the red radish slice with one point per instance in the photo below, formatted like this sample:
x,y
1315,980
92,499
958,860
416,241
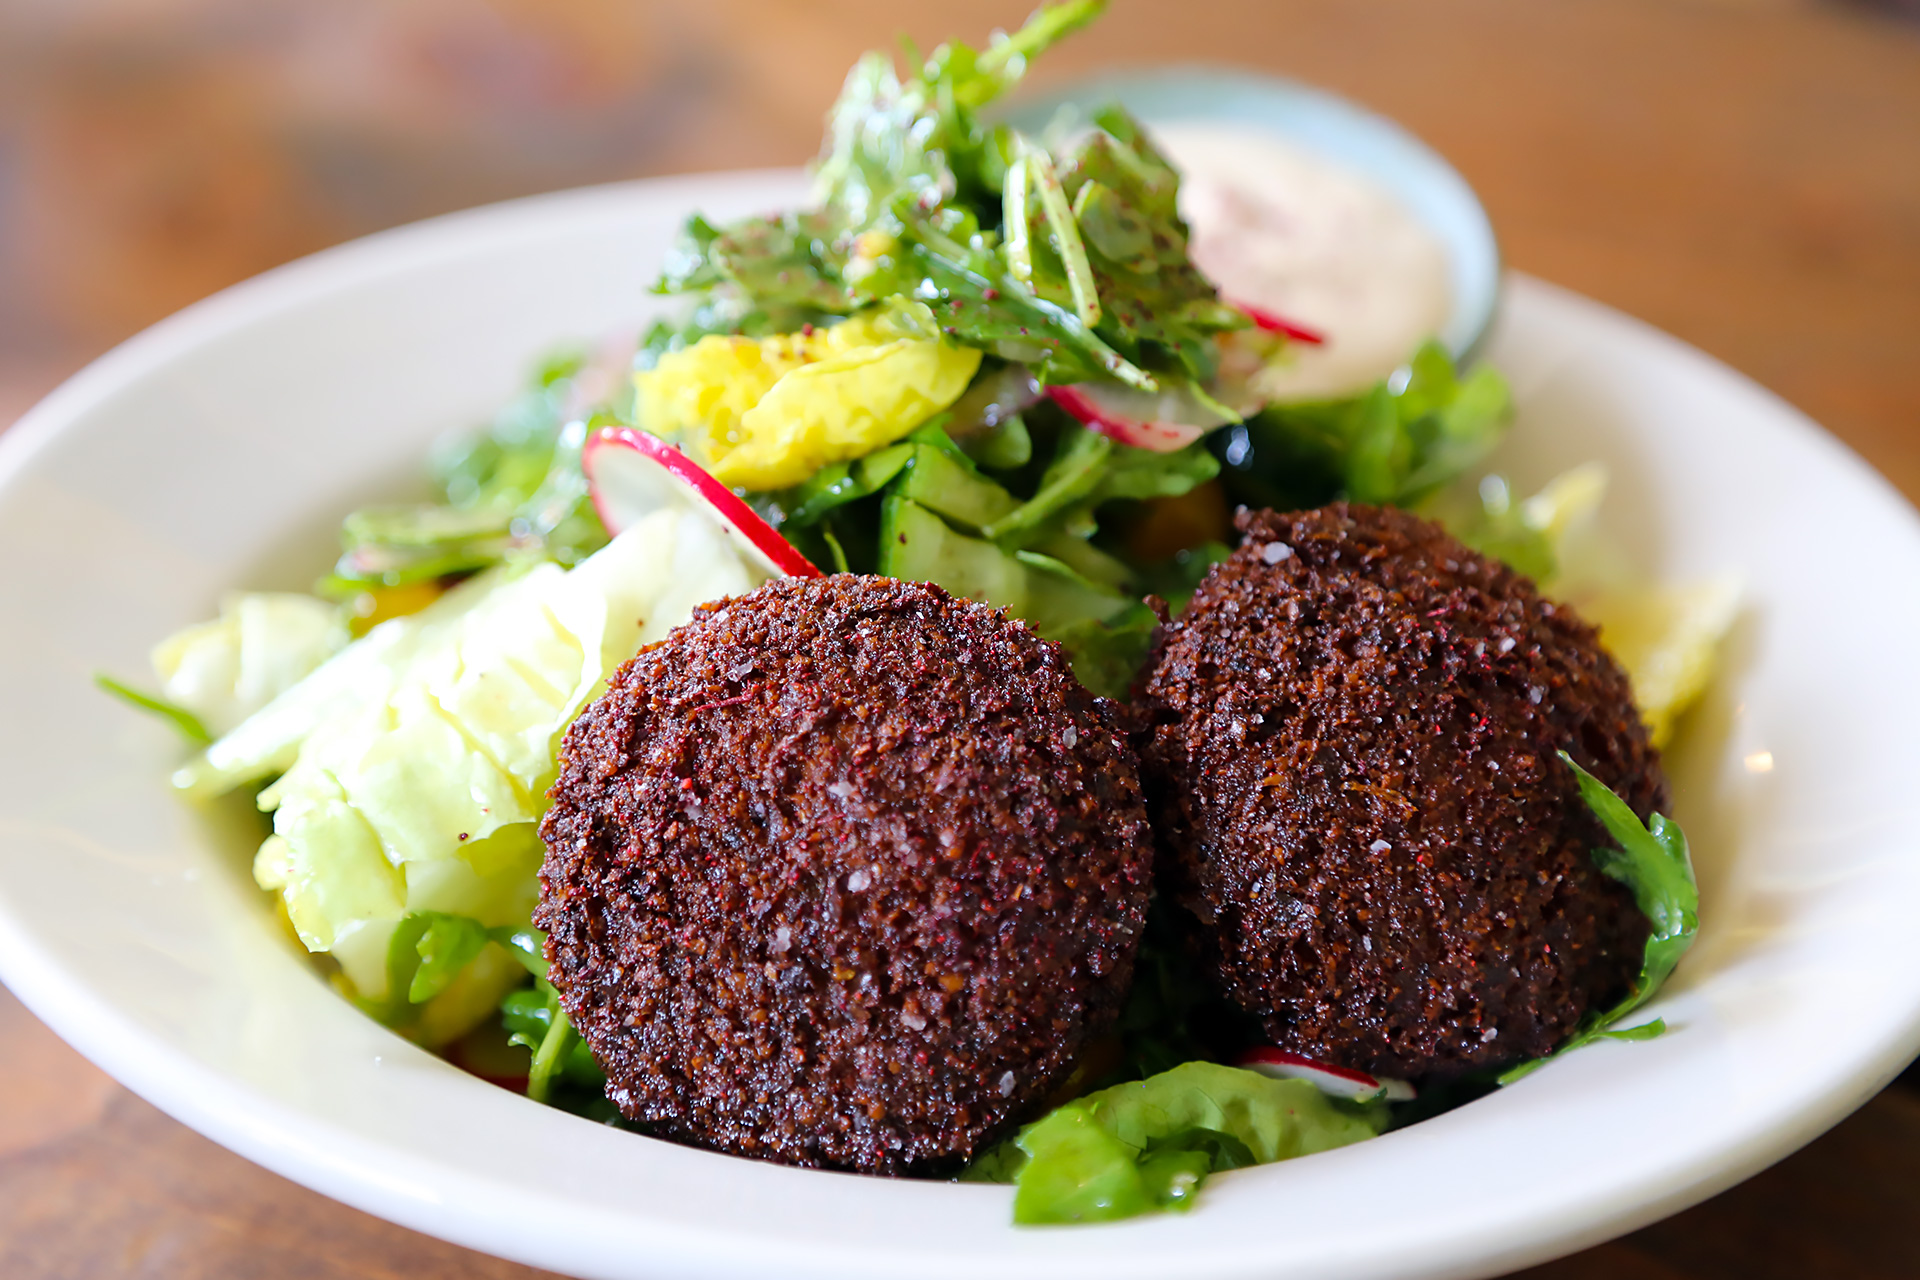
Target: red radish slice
x,y
1338,1081
1274,323
1162,421
632,473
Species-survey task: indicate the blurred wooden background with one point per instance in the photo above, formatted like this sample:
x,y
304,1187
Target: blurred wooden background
x,y
1743,173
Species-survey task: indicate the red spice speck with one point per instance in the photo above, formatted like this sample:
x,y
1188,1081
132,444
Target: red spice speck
x,y
724,702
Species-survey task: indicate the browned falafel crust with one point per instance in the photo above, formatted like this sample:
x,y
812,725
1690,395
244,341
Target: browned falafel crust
x,y
1349,745
843,873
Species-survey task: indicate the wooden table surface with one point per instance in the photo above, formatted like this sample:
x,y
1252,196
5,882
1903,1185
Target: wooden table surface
x,y
1742,173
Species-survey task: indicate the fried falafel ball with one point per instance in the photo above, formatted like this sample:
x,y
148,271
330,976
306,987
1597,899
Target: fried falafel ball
x,y
1349,746
844,873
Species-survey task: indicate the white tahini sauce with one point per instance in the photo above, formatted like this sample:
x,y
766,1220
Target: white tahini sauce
x,y
1278,227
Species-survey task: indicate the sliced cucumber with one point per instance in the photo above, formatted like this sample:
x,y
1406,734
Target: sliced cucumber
x,y
944,483
1087,560
1104,632
918,546
843,482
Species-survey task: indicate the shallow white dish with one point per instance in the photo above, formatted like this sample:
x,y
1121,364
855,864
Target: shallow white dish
x,y
216,450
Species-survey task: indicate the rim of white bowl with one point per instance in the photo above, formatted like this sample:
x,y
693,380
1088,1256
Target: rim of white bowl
x,y
385,1180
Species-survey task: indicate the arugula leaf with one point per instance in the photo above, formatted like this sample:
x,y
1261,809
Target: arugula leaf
x,y
515,490
1076,264
1080,459
688,264
1072,265
551,1054
1033,558
834,486
787,259
1653,861
534,1019
1158,307
723,310
1110,277
1450,422
979,302
183,720
1149,1144
920,135
1063,233
1088,469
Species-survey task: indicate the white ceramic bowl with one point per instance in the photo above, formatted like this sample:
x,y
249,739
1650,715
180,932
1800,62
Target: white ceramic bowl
x,y
217,449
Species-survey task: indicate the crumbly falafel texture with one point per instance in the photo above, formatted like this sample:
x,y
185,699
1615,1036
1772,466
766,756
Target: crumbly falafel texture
x,y
844,874
1349,743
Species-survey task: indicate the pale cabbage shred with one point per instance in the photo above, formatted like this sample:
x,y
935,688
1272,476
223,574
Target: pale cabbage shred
x,y
414,764
1667,636
262,644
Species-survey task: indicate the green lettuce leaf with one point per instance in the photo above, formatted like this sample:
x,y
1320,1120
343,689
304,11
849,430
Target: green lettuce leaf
x,y
1530,535
1385,446
1149,1144
414,764
1652,860
513,491
442,976
221,672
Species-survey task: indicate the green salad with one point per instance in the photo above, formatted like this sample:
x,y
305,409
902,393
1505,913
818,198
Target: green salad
x,y
978,358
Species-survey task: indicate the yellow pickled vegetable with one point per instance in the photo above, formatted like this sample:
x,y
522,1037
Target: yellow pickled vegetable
x,y
767,413
1668,638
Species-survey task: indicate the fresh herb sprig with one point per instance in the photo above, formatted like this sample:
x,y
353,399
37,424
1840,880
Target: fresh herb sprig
x,y
1651,859
430,949
1073,261
184,722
